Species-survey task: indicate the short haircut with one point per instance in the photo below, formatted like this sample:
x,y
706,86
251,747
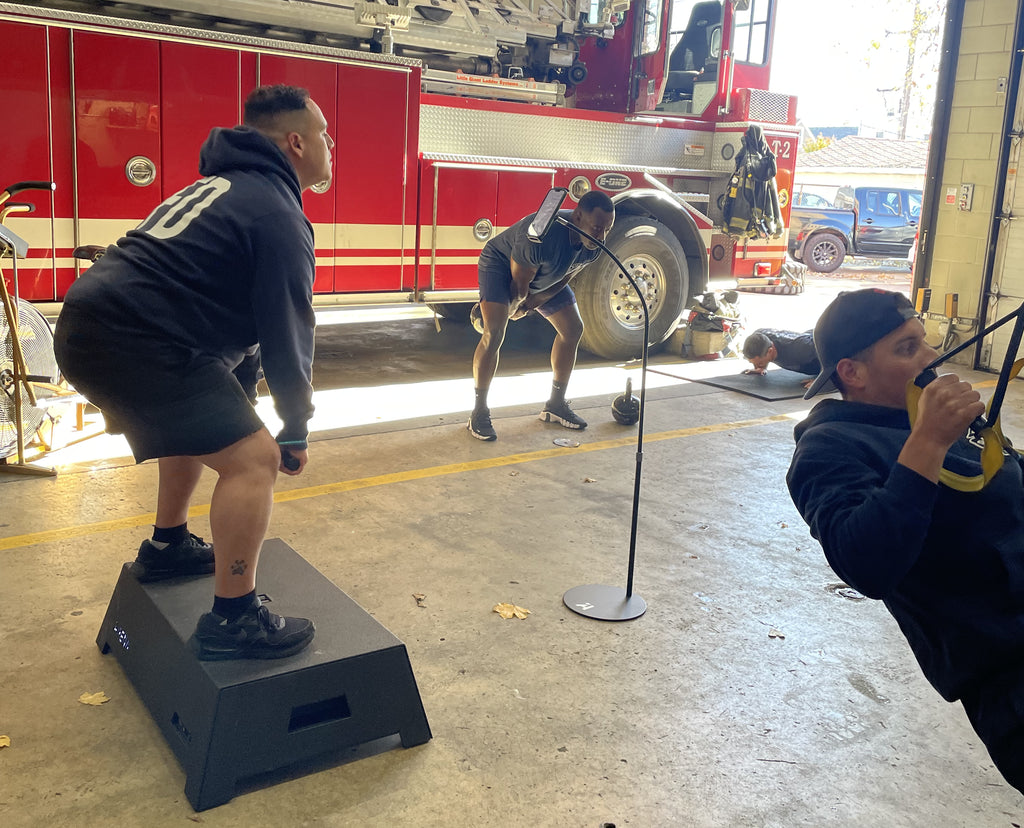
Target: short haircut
x,y
266,103
596,200
756,345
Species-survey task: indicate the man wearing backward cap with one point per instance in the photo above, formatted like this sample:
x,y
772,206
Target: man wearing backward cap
x,y
948,564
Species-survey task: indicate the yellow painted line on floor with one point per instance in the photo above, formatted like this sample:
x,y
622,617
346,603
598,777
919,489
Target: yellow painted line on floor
x,y
71,532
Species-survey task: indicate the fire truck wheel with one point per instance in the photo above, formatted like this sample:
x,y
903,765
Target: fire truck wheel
x,y
610,307
455,311
824,252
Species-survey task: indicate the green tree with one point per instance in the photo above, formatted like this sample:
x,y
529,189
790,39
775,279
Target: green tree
x,y
923,42
816,143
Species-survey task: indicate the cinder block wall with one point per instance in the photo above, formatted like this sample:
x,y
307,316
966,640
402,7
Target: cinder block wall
x,y
960,239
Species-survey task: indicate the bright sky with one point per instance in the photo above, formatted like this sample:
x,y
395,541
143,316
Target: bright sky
x,y
824,55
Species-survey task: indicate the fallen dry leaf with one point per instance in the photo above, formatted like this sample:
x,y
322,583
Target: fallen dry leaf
x,y
94,698
420,598
5,741
510,611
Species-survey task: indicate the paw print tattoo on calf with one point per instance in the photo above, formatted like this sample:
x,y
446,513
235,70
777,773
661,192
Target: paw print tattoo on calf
x,y
239,567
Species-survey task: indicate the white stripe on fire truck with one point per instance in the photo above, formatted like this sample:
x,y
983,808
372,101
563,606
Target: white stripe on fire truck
x,y
362,237
325,236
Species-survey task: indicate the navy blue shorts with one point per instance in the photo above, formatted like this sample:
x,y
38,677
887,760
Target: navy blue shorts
x,y
166,402
496,286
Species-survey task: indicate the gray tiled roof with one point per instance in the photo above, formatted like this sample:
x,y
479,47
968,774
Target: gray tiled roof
x,y
855,151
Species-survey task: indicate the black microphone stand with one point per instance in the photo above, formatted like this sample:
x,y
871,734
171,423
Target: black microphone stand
x,y
612,603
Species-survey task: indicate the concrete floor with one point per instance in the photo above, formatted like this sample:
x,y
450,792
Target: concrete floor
x,y
751,693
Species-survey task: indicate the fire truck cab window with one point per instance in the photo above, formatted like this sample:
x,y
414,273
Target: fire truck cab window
x,y
750,33
696,35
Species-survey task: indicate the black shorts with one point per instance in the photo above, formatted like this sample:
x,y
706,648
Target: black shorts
x,y
496,286
168,402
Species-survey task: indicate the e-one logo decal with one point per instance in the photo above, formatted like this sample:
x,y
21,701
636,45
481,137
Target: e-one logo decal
x,y
613,182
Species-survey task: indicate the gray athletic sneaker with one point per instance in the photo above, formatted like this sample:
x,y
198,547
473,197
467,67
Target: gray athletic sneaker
x,y
561,413
257,633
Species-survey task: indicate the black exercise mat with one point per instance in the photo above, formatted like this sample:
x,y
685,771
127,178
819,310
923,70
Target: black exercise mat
x,y
777,384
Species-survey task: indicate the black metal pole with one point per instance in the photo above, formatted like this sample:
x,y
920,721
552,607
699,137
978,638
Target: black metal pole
x,y
1004,374
643,400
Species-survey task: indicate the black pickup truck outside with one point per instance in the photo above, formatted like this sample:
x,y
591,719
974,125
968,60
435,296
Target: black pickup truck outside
x,y
875,222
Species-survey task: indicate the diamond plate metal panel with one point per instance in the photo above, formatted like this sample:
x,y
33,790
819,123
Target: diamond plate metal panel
x,y
727,144
767,106
463,133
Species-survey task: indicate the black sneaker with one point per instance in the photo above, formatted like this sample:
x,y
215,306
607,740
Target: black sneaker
x,y
190,557
561,413
480,425
257,633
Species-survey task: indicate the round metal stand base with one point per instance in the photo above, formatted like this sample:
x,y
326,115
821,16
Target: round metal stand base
x,y
605,603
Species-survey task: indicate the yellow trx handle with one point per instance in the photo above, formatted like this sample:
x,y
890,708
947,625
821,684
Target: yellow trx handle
x,y
993,443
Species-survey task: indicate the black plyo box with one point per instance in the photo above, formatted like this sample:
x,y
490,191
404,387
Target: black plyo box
x,y
229,720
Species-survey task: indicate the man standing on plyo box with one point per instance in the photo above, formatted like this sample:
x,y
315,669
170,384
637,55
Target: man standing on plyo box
x,y
518,275
162,335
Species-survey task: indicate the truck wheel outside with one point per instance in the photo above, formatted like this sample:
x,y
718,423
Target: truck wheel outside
x,y
824,253
611,310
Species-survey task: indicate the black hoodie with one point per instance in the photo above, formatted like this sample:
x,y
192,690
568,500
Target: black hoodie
x,y
949,565
222,266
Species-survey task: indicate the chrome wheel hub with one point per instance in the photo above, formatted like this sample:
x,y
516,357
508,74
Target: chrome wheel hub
x,y
624,300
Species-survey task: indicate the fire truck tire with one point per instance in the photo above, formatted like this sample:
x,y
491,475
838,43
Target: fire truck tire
x,y
455,311
824,252
611,310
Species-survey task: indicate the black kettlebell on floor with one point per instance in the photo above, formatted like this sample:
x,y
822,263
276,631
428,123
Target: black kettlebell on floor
x,y
626,407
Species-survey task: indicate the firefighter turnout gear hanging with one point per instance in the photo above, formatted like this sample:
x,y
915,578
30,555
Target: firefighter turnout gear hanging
x,y
751,207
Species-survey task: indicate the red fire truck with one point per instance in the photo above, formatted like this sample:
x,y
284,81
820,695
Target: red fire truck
x,y
452,118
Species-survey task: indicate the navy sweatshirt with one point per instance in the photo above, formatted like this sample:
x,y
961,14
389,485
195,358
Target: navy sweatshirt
x,y
220,267
795,350
948,565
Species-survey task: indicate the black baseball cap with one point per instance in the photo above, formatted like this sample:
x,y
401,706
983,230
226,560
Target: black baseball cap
x,y
855,320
